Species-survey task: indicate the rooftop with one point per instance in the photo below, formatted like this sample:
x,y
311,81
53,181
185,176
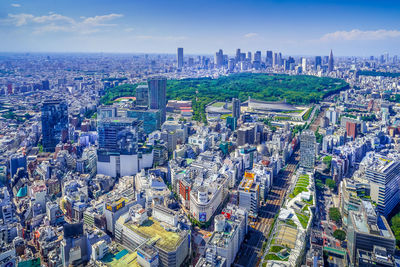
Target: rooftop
x,y
222,239
153,230
380,229
121,259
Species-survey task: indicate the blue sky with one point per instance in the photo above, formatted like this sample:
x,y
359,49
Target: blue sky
x,y
309,27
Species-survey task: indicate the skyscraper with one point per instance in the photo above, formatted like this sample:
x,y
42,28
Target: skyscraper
x,y
318,62
238,55
180,57
383,175
117,152
279,60
249,56
304,64
219,58
307,149
330,62
257,56
142,95
157,95
275,59
54,123
74,248
17,161
268,58
235,108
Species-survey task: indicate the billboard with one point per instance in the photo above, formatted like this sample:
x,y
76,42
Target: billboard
x,y
115,206
249,175
202,216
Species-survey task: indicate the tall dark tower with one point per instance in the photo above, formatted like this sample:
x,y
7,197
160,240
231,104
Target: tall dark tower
x,y
54,123
180,58
330,62
235,108
157,95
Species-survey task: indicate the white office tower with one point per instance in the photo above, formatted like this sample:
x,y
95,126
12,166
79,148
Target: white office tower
x,y
332,115
307,149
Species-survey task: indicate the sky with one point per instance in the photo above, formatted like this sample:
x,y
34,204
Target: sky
x,y
307,27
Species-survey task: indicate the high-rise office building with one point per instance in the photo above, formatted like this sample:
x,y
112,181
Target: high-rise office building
x,y
279,59
180,57
157,95
231,64
74,248
238,55
332,115
117,152
307,149
318,62
330,62
383,175
249,56
219,59
257,56
275,59
191,62
304,63
142,95
235,108
54,123
150,118
249,194
17,161
268,58
366,232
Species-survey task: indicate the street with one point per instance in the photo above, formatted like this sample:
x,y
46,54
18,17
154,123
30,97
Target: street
x,y
250,254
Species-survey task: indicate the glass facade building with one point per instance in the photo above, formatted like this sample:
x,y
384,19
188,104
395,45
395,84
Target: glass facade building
x,y
54,123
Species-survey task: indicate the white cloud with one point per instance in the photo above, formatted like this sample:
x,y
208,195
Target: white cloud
x,y
59,23
358,35
15,5
250,35
129,29
100,20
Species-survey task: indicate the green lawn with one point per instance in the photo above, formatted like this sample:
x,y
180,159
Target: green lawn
x,y
291,223
223,117
298,189
272,257
301,185
310,202
218,104
275,249
303,219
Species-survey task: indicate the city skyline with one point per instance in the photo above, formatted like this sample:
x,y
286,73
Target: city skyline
x,y
308,28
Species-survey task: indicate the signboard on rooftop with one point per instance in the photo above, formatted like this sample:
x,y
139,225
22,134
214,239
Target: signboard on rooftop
x,y
249,175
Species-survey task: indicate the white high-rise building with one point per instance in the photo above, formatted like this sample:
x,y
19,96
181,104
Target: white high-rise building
x,y
307,149
304,64
332,115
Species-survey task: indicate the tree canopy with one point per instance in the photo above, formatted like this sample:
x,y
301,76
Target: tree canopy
x,y
334,215
339,234
395,225
330,183
298,89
